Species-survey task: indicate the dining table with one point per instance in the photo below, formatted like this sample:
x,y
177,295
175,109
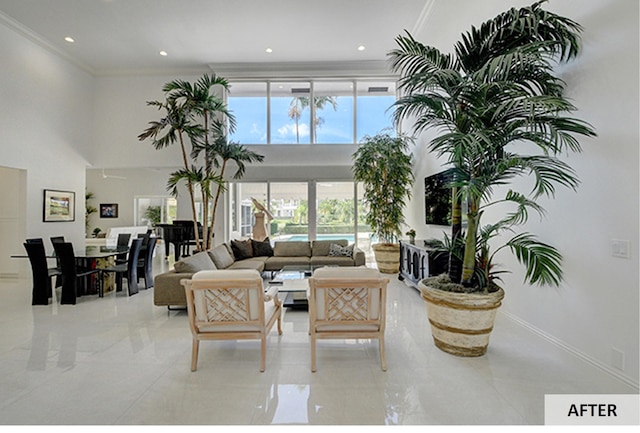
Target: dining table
x,y
89,257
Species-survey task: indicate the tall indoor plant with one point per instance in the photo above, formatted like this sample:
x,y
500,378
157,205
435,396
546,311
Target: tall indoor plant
x,y
197,117
496,94
382,163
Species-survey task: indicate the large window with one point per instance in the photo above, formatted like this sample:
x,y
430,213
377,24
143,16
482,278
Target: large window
x,y
302,211
310,111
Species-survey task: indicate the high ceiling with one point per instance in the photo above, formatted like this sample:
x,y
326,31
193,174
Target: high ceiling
x,y
126,36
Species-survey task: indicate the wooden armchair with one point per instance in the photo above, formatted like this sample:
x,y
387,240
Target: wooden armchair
x,y
231,305
346,303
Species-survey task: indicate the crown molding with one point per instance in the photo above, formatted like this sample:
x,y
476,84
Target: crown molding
x,y
38,39
335,69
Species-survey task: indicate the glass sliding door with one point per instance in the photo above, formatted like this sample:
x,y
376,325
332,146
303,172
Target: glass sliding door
x,y
289,204
336,211
242,209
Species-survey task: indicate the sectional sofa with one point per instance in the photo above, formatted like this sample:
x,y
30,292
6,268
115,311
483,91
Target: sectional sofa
x,y
250,254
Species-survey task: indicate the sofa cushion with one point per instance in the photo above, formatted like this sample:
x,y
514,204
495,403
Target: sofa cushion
x,y
197,262
242,249
321,248
262,248
336,250
256,263
292,249
221,256
331,261
276,263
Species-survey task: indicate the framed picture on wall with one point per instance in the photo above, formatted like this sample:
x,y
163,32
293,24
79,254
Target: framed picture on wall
x,y
58,206
108,210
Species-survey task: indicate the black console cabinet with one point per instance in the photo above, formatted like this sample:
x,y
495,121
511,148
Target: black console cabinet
x,y
418,262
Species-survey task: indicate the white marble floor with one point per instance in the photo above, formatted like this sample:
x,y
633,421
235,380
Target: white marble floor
x,y
122,361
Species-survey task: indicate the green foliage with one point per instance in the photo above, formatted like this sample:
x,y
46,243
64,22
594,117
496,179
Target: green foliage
x,y
153,214
383,165
89,209
196,116
497,92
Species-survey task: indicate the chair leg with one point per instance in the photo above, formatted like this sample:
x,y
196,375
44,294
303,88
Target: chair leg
x,y
313,353
194,354
383,361
263,352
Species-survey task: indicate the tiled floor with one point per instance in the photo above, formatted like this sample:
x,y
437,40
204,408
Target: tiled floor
x,y
121,360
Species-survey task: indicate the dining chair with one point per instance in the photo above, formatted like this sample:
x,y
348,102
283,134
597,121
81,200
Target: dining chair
x,y
54,240
71,272
347,303
127,270
35,241
231,305
145,263
123,241
42,274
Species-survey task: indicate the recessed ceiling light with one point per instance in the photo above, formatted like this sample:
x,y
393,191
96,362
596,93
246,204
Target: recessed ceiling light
x,y
163,53
69,39
269,50
361,48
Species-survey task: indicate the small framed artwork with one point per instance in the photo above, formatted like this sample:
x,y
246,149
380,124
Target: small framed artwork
x,y
108,210
58,206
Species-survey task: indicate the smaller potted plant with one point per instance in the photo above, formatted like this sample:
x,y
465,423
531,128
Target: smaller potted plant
x,y
412,236
383,164
96,232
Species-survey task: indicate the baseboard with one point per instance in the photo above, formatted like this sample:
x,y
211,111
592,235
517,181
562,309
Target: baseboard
x,y
11,275
577,353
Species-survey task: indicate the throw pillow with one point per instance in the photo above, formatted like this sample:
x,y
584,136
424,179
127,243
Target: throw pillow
x,y
262,248
336,250
222,256
197,262
242,249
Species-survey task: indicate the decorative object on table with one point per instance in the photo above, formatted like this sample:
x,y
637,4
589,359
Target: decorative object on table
x,y
412,236
96,232
500,82
197,115
383,165
260,232
108,210
59,206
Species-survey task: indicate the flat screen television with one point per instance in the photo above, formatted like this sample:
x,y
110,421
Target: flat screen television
x,y
437,198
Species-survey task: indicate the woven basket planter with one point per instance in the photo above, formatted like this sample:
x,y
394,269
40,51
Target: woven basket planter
x,y
387,257
461,323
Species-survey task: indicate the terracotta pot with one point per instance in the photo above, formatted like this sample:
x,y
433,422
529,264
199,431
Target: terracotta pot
x,y
461,323
387,257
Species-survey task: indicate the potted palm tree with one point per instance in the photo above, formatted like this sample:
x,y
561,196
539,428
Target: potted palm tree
x,y
496,94
382,163
197,118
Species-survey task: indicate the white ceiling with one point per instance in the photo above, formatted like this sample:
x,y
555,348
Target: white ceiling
x,y
126,36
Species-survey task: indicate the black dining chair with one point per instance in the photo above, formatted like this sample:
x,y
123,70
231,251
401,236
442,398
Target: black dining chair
x,y
123,241
54,240
71,272
35,241
145,263
42,274
127,270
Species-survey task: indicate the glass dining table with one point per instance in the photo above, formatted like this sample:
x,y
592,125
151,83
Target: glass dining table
x,y
90,257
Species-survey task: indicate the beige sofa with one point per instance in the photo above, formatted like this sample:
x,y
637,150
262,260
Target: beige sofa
x,y
169,292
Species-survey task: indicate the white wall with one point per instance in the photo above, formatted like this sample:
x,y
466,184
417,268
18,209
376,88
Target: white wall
x,y
596,310
46,126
